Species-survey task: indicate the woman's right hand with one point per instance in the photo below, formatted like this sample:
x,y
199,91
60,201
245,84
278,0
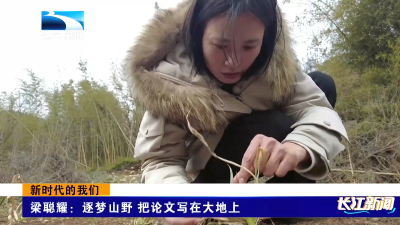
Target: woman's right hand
x,y
181,221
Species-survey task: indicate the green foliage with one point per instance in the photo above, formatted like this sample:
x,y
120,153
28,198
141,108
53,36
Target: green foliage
x,y
359,45
251,221
370,26
358,31
121,164
31,94
77,125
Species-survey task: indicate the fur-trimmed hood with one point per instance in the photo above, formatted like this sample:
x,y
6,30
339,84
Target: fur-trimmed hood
x,y
174,101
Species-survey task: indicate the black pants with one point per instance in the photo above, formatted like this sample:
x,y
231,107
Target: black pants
x,y
239,133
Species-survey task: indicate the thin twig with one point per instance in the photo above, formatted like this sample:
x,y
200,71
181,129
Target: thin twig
x,y
351,164
201,138
359,171
330,20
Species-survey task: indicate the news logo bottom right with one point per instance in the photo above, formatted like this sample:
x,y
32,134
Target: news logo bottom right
x,y
357,205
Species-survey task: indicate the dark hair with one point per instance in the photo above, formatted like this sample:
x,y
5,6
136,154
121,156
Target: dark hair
x,y
202,11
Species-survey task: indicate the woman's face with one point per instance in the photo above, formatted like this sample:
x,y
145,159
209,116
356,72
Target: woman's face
x,y
229,58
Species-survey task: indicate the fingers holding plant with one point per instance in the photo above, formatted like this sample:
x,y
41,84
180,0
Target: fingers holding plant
x,y
273,157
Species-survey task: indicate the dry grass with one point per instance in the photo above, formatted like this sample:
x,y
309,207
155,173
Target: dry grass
x,y
370,158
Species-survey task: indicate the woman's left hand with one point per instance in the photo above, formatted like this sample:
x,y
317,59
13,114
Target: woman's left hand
x,y
277,159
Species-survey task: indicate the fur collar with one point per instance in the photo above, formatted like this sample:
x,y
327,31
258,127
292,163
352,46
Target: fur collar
x,y
164,98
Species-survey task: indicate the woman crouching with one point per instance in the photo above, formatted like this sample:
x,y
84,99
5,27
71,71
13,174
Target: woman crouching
x,y
228,69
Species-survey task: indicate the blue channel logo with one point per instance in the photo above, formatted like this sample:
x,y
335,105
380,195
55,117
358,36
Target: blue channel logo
x,y
62,20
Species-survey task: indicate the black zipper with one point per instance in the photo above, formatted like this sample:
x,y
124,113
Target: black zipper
x,y
239,98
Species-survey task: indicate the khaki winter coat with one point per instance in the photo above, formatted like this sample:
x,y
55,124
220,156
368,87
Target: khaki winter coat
x,y
159,72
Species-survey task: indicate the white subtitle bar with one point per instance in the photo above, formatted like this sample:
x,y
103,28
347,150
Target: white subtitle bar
x,y
10,190
237,190
249,190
